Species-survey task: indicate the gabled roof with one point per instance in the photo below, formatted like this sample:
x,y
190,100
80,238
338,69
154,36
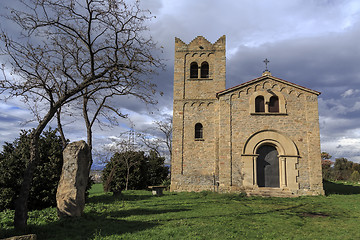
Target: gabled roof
x,y
266,75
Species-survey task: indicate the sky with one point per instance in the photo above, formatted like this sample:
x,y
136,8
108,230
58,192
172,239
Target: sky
x,y
313,43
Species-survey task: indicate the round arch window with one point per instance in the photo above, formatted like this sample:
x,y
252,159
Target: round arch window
x,y
194,70
198,131
204,70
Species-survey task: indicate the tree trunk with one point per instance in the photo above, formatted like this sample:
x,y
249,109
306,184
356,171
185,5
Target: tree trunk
x,y
127,178
88,125
107,187
21,203
60,129
89,142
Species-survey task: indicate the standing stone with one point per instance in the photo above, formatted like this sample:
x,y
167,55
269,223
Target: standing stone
x,y
70,196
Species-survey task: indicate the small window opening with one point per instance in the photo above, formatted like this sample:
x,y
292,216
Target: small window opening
x,y
204,70
198,131
194,70
259,104
274,104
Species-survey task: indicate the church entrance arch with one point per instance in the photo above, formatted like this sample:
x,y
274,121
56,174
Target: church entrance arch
x,y
267,166
269,159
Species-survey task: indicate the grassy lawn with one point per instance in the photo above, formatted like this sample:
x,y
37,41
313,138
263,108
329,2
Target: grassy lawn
x,y
205,215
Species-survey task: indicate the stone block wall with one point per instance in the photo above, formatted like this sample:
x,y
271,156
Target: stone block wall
x,y
194,161
300,124
219,161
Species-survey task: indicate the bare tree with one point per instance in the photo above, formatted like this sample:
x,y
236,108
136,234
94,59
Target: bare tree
x,y
161,143
151,142
166,128
126,145
98,104
67,48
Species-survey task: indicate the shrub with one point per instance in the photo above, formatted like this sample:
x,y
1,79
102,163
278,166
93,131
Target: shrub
x,y
342,169
13,160
156,171
327,170
355,176
133,170
166,183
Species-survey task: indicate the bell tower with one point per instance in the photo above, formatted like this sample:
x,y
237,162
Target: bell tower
x,y
199,69
199,73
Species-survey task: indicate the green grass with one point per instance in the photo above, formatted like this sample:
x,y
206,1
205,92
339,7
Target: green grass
x,y
205,215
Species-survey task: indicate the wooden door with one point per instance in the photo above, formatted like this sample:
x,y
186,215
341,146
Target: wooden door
x,y
267,166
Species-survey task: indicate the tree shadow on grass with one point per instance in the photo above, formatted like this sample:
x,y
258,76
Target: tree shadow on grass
x,y
110,198
94,225
143,211
340,188
89,228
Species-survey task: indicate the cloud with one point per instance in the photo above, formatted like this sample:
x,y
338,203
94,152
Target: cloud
x,y
310,43
346,147
350,92
13,118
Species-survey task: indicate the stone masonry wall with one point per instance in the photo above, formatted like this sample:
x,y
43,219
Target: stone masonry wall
x,y
194,161
300,124
217,161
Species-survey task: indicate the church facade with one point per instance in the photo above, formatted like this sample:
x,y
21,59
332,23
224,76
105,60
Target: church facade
x,y
260,137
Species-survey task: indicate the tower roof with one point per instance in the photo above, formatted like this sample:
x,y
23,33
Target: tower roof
x,y
200,43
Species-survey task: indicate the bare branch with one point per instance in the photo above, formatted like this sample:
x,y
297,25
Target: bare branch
x,y
161,143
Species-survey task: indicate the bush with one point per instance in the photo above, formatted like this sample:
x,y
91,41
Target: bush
x,y
327,170
355,176
156,171
342,169
166,183
13,160
133,170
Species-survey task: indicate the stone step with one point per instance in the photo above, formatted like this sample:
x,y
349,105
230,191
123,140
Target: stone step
x,y
270,192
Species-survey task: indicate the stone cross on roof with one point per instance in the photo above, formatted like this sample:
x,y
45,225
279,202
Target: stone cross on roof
x,y
266,61
266,72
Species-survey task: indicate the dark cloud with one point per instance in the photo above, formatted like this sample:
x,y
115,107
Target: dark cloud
x,y
327,62
310,43
11,119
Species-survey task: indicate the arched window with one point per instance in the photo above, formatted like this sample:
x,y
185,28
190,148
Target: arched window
x,y
204,70
194,70
259,104
274,104
198,131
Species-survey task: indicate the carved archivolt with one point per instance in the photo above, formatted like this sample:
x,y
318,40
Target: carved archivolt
x,y
284,145
267,85
198,104
288,158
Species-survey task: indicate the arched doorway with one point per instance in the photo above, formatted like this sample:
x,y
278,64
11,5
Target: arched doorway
x,y
263,145
267,167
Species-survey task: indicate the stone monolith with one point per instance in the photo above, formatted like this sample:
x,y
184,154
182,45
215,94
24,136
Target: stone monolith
x,y
70,196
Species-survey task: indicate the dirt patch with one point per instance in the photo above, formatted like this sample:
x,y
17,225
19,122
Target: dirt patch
x,y
312,214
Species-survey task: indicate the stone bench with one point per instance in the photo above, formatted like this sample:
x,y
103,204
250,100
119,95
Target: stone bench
x,y
157,190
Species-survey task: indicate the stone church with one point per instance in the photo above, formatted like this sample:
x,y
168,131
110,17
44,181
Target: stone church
x,y
260,137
